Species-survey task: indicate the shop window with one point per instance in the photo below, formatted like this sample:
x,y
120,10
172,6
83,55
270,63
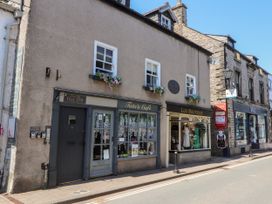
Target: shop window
x,y
137,135
188,134
152,73
261,129
190,85
105,59
240,126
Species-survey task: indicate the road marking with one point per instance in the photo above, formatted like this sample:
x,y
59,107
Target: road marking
x,y
171,182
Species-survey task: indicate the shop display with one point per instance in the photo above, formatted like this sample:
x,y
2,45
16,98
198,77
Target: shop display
x,y
137,134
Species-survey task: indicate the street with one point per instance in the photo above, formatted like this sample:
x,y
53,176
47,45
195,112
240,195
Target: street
x,y
249,183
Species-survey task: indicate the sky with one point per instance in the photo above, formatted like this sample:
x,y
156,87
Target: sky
x,y
249,22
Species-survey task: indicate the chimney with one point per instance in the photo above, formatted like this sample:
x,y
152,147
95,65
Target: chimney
x,y
180,10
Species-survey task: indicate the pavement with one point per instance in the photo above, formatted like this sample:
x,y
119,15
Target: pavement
x,y
103,186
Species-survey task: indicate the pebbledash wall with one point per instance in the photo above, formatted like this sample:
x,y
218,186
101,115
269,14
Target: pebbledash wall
x,y
224,57
60,43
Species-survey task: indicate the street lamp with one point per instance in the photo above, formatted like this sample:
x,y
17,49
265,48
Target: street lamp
x,y
228,74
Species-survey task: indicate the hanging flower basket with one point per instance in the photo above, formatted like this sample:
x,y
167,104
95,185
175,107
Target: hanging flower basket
x,y
108,79
158,90
192,99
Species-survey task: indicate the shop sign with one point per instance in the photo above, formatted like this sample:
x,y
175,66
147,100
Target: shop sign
x,y
137,106
220,115
188,109
72,98
191,111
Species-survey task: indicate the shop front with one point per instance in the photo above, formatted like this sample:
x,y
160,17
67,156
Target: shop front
x,y
95,136
250,126
189,133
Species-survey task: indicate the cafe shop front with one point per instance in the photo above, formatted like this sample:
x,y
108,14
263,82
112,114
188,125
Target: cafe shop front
x,y
189,133
95,136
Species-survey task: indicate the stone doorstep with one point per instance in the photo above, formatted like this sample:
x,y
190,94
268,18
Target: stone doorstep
x,y
86,196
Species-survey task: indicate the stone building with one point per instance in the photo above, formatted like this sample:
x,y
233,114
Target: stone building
x,y
100,93
12,25
248,118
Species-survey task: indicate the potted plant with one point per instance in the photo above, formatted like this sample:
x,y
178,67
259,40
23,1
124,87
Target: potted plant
x,y
192,99
111,81
155,89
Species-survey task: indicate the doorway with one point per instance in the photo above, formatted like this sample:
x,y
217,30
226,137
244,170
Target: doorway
x,y
101,148
253,136
71,144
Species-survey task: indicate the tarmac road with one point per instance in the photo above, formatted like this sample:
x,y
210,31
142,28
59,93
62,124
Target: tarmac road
x,y
249,183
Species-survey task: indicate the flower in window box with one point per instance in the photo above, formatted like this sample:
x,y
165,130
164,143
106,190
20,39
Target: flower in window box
x,y
108,79
192,99
158,89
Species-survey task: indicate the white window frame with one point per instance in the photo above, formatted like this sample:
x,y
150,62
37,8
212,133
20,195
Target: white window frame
x,y
114,57
166,25
159,71
193,77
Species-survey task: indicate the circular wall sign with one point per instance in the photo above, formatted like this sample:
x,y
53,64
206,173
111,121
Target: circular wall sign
x,y
173,87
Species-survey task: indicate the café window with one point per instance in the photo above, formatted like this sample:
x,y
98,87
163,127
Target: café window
x,y
189,133
261,128
137,134
240,126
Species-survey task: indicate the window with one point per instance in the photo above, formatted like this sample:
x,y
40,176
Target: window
x,y
152,73
188,132
137,135
261,86
237,56
261,129
165,22
240,126
238,83
190,85
105,59
251,89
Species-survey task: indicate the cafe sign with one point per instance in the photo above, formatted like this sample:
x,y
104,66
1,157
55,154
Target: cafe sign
x,y
138,106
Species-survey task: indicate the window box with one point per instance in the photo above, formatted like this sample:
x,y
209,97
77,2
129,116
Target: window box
x,y
111,81
192,99
158,90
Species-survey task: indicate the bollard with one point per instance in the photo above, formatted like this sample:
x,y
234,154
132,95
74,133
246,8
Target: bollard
x,y
176,163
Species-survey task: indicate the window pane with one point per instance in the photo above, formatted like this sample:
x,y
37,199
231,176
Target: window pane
x,y
106,136
109,59
151,148
151,134
123,150
99,64
133,119
151,121
142,134
100,50
106,152
133,134
143,148
109,53
97,136
108,66
123,119
97,152
100,56
148,80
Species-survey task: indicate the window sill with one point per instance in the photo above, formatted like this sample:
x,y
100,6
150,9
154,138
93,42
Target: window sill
x,y
111,81
156,90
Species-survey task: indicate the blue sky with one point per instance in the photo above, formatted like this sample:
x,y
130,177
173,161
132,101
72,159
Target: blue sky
x,y
248,22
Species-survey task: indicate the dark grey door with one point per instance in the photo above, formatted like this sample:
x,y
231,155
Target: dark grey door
x,y
71,144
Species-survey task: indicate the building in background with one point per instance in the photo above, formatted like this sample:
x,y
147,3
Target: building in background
x,y
239,90
12,21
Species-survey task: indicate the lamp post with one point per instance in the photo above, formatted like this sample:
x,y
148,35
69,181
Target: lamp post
x,y
228,75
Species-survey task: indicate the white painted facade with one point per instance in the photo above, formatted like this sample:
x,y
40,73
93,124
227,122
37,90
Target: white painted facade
x,y
8,36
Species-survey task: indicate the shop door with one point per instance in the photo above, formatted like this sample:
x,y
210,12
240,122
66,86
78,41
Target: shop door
x,y
102,133
71,144
253,138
